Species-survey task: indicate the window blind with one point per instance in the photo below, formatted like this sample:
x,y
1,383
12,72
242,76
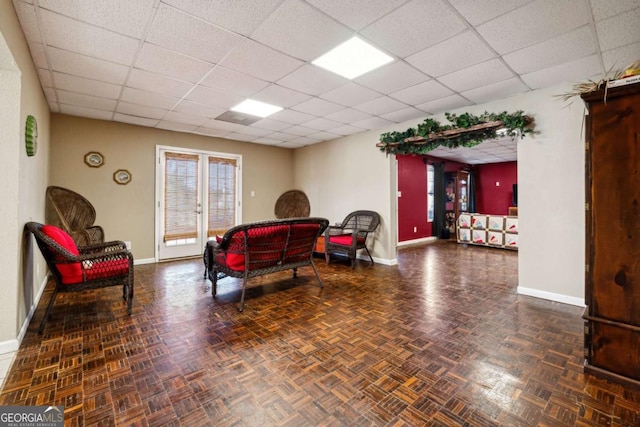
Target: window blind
x,y
222,195
181,196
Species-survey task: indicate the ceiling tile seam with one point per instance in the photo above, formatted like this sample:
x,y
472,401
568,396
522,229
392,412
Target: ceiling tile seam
x,y
45,46
486,43
131,67
594,31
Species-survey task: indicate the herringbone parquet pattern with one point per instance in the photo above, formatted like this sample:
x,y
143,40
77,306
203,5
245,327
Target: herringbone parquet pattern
x,y
441,339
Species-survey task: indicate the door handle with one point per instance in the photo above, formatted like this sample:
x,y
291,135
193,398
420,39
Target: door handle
x,y
198,212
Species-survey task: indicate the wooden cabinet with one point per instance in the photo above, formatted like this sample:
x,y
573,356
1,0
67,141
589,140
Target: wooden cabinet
x,y
457,198
612,293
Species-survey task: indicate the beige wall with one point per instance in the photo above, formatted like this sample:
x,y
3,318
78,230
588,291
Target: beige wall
x,y
24,179
127,211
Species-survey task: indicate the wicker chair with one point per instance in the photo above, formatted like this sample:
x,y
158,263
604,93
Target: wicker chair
x,y
81,268
351,235
73,213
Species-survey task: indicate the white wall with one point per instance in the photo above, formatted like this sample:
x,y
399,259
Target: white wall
x,y
351,173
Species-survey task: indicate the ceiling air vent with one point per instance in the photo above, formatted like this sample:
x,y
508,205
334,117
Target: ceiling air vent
x,y
238,118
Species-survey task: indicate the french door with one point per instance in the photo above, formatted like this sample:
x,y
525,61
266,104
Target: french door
x,y
198,197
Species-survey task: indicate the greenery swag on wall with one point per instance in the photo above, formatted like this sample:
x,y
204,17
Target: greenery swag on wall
x,y
465,130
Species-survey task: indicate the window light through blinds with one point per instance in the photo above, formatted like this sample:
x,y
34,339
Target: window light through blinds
x,y
222,195
181,196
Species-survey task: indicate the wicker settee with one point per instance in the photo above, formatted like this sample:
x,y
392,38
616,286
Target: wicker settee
x,y
259,248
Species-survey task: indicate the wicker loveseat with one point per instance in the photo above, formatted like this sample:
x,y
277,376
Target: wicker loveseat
x,y
259,248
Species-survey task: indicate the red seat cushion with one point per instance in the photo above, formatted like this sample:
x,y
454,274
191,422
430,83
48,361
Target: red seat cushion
x,y
345,239
265,248
69,272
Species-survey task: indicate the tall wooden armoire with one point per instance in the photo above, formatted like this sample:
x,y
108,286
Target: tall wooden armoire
x,y
612,293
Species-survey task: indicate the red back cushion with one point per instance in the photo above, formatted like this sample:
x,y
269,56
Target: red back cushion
x,y
71,273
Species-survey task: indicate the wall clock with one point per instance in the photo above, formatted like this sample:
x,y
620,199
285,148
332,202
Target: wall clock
x,y
122,176
31,136
94,159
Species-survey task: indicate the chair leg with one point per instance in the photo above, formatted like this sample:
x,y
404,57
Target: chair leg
x,y
213,276
130,299
326,257
295,273
369,253
48,310
244,289
317,275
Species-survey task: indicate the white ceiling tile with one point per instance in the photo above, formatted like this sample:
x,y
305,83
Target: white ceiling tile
x,y
134,120
54,107
346,130
204,95
50,94
350,94
479,11
281,136
291,144
324,136
191,36
140,110
249,130
494,91
299,30
92,113
88,86
150,99
157,83
620,58
447,103
420,93
231,81
312,80
373,123
38,55
46,81
188,119
300,130
82,100
171,64
75,36
478,75
535,22
177,127
260,61
603,9
405,114
272,125
212,132
356,14
129,17
195,109
239,136
28,21
221,125
414,26
379,106
321,124
348,116
570,72
318,107
267,141
391,77
84,66
301,141
280,96
619,30
452,54
291,116
239,16
567,47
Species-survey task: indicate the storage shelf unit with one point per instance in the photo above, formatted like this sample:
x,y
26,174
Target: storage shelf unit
x,y
488,230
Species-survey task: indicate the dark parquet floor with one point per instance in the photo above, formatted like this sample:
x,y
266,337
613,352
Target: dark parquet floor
x,y
441,339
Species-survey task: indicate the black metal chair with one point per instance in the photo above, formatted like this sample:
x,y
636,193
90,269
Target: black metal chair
x,y
351,235
78,268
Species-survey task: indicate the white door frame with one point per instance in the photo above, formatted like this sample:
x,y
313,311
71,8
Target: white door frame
x,y
204,176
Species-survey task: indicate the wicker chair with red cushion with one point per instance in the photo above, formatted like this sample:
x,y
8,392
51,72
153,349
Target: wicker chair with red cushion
x,y
78,268
73,213
351,235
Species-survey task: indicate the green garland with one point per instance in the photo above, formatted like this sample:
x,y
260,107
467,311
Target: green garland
x,y
430,132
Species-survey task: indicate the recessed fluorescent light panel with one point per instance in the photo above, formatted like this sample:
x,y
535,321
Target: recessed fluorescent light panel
x,y
256,108
353,58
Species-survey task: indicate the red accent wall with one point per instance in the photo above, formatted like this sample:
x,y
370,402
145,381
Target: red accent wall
x,y
492,199
412,205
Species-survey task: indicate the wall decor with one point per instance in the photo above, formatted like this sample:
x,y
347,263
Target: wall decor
x,y
122,176
94,159
31,136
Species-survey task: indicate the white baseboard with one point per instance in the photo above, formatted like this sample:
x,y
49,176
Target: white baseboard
x,y
383,261
565,299
144,261
9,346
416,241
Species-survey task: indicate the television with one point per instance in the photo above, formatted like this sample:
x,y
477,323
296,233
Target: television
x,y
515,194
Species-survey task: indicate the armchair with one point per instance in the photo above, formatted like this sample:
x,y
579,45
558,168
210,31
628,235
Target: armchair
x,y
73,213
351,235
85,267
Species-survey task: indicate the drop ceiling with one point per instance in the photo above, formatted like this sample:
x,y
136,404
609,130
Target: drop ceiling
x,y
179,64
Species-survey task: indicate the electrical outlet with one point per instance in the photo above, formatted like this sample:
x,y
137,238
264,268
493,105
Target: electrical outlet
x,y
497,184
253,194
415,229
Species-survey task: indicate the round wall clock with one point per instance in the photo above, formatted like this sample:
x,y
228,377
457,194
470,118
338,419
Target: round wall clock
x,y
122,176
94,159
31,136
